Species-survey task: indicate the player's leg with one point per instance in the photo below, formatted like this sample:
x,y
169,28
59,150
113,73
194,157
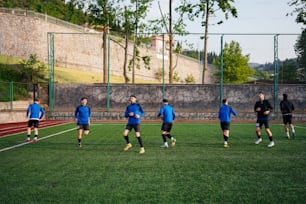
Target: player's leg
x,y
258,132
80,132
226,137
269,133
86,129
164,136
137,134
291,126
126,138
29,131
35,131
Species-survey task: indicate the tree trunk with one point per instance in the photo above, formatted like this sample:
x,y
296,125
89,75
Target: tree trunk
x,y
205,43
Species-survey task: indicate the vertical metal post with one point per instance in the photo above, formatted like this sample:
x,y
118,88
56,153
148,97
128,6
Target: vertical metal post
x,y
276,69
163,67
11,94
108,73
221,71
51,73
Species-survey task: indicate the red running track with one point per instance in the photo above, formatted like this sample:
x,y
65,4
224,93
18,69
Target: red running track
x,y
14,128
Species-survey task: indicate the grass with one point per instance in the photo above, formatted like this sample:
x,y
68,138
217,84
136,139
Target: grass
x,y
197,170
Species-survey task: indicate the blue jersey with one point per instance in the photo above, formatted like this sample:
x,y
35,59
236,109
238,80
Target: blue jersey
x,y
137,110
35,111
225,113
82,113
167,112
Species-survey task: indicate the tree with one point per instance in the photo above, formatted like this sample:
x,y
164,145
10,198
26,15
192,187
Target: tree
x,y
235,65
300,50
204,9
300,46
299,10
288,70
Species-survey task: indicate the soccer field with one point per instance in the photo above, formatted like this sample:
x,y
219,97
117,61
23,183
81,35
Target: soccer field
x,y
197,170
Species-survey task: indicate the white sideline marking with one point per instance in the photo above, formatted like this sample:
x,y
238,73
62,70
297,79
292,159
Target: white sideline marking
x,y
46,137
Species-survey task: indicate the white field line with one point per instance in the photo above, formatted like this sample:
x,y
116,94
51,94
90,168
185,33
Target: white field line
x,y
42,138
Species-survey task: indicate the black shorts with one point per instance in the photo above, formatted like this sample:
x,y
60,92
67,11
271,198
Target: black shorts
x,y
225,125
260,123
83,126
166,127
287,119
34,123
136,127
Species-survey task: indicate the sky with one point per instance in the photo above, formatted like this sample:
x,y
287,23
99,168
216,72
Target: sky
x,y
255,28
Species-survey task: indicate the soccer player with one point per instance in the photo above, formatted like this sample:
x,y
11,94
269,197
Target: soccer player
x,y
35,113
133,112
225,120
168,116
263,108
82,117
286,108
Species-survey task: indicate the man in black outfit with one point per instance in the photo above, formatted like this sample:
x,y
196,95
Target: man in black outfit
x,y
263,109
286,108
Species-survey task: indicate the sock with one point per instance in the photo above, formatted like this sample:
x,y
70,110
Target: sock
x,y
140,141
293,130
169,136
127,139
225,138
164,138
29,136
36,136
271,139
79,140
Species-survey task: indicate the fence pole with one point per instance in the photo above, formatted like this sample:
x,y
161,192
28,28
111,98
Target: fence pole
x,y
108,73
11,94
221,71
163,67
276,73
51,73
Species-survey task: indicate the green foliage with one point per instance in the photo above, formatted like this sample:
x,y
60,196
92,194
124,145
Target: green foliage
x,y
190,79
299,10
197,170
288,70
300,49
235,65
159,74
176,77
33,70
70,11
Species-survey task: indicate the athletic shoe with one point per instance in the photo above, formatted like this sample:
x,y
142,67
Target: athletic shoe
x,y
258,141
35,140
164,146
225,145
271,144
28,140
173,142
142,151
80,145
127,147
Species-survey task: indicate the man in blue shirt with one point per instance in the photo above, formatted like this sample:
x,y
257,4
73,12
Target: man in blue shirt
x,y
35,113
82,116
133,112
168,116
225,120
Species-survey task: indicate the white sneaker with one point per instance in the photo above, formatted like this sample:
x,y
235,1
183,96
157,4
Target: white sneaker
x,y
271,144
164,146
258,141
